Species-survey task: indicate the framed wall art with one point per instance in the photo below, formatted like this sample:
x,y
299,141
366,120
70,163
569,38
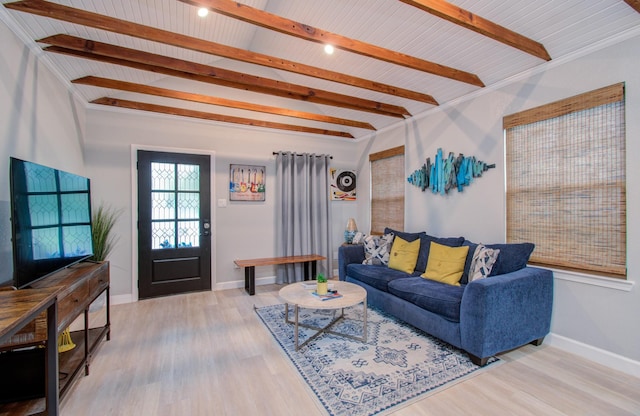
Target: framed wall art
x,y
343,185
247,183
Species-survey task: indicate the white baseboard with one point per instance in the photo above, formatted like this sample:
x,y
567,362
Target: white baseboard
x,y
615,361
120,299
239,284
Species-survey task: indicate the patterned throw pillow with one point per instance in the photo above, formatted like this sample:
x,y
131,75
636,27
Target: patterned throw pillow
x,y
376,249
483,260
358,238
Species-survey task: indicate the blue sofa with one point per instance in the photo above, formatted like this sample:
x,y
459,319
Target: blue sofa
x,y
508,309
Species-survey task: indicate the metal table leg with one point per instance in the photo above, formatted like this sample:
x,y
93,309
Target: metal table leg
x,y
320,330
52,386
250,280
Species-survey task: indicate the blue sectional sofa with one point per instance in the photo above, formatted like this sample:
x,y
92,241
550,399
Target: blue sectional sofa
x,y
509,308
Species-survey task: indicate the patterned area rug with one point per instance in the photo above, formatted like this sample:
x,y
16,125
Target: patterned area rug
x,y
398,363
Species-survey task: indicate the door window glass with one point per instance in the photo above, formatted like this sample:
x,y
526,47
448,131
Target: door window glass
x,y
188,177
188,205
175,205
189,233
163,176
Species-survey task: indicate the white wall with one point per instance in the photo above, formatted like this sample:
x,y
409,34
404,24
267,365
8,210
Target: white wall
x,y
242,229
602,318
39,121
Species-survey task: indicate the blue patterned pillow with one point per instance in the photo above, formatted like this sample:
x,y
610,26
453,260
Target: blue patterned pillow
x,y
377,248
483,260
513,256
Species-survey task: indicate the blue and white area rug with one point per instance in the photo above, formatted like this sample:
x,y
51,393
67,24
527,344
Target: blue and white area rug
x,y
396,365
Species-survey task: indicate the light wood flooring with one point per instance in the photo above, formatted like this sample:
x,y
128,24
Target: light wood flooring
x,y
209,354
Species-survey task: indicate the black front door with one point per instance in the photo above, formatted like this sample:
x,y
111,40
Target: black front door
x,y
174,228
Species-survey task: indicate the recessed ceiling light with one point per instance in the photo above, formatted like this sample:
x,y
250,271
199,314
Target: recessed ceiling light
x,y
202,12
328,49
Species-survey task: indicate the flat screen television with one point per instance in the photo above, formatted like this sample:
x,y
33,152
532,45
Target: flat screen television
x,y
50,220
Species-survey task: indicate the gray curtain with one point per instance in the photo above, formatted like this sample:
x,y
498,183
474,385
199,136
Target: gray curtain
x,y
303,214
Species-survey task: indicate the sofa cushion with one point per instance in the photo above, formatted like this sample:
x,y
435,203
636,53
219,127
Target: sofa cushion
x,y
512,257
376,276
376,249
430,295
404,254
483,260
425,246
404,235
446,264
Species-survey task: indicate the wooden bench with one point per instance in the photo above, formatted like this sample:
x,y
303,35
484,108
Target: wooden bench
x,y
250,267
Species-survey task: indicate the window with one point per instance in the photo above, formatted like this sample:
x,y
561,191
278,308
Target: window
x,y
565,175
387,190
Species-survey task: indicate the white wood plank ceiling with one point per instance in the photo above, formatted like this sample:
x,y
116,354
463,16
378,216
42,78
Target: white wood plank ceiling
x,y
563,27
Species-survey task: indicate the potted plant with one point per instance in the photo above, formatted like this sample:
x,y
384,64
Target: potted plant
x,y
103,220
323,285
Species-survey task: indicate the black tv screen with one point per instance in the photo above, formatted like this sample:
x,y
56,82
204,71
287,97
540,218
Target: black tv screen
x,y
50,220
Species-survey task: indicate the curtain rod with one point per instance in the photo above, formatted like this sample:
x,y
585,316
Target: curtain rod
x,y
300,154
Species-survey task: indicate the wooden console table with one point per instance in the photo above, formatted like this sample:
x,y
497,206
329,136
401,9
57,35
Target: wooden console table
x,y
75,287
250,267
20,307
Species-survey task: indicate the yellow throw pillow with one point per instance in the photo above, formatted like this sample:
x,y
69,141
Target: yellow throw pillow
x,y
445,263
404,255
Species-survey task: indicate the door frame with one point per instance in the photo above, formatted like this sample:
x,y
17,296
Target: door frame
x,y
134,208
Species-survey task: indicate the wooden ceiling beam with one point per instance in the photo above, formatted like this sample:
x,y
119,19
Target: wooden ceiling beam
x,y
466,19
175,111
111,24
204,78
290,27
635,4
206,99
225,77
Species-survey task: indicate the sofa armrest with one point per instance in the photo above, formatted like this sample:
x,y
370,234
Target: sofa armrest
x,y
349,254
506,311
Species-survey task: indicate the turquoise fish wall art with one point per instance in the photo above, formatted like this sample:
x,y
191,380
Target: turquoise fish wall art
x,y
448,173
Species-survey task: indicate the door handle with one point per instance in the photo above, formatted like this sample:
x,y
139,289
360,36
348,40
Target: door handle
x,y
206,227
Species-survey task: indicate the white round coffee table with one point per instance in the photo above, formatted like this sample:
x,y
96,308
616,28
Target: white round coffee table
x,y
300,297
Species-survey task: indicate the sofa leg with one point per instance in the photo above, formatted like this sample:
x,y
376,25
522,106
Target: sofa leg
x,y
480,362
537,342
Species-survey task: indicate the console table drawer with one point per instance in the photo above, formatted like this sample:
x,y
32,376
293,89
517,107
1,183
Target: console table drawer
x,y
72,305
98,283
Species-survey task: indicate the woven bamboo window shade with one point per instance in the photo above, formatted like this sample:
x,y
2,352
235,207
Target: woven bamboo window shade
x,y
387,190
566,187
